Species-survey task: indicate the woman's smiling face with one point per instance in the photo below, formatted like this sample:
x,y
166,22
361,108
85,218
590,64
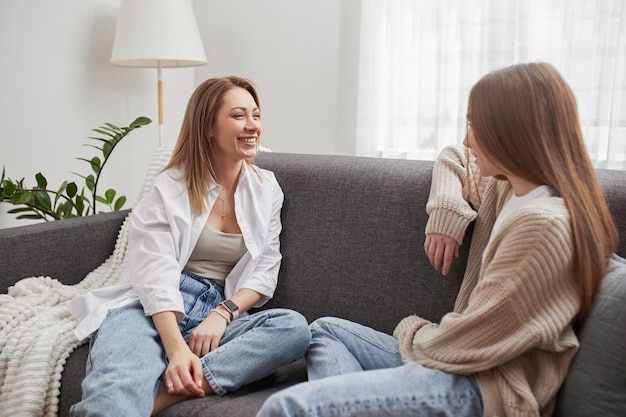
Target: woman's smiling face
x,y
237,125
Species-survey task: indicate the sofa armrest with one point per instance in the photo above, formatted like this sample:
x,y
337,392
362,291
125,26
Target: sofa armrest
x,y
66,250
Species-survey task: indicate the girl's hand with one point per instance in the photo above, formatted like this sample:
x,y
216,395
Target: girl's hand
x,y
206,337
183,375
440,250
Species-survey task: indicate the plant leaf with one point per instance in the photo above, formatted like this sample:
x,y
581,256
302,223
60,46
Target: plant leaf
x,y
67,210
42,183
119,203
9,187
78,175
35,216
60,192
110,195
96,138
140,121
21,209
83,159
107,147
72,189
106,132
96,164
94,146
90,182
22,197
112,127
42,199
80,201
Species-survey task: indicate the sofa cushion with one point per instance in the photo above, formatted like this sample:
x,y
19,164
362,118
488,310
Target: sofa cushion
x,y
596,382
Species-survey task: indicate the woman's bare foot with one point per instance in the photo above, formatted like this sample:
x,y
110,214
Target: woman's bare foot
x,y
164,399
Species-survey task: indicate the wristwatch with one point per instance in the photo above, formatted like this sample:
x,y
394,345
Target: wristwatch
x,y
231,307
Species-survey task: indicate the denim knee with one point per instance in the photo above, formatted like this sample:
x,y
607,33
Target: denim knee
x,y
323,325
298,329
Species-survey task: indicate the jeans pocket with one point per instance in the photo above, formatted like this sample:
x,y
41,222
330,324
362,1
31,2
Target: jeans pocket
x,y
186,283
199,298
204,303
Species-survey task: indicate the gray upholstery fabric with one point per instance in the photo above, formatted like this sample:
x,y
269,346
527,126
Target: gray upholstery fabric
x,y
244,402
596,381
352,244
353,234
64,249
613,185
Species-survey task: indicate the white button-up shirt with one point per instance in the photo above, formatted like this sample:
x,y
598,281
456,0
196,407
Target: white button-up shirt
x,y
163,234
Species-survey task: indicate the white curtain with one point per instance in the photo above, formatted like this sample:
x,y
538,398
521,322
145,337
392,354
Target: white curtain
x,y
419,59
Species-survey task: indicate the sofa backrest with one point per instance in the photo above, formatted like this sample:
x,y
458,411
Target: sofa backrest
x,y
613,185
66,250
353,233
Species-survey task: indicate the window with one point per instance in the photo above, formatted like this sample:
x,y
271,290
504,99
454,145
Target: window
x,y
419,59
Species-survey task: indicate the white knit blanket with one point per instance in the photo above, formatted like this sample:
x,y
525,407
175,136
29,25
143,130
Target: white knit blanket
x,y
36,329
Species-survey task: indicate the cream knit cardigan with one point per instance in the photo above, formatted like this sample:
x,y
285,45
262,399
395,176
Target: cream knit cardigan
x,y
511,322
36,329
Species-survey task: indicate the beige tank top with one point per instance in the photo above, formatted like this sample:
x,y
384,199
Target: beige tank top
x,y
215,254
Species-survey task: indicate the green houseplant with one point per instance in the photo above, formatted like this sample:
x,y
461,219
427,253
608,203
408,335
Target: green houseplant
x,y
41,202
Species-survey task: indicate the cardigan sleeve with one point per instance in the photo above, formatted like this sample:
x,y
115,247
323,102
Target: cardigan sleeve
x,y
452,204
526,298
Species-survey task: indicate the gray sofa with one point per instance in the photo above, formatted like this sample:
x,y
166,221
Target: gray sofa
x,y
353,230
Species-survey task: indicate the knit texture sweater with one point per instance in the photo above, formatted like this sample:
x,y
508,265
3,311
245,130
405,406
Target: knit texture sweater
x,y
511,324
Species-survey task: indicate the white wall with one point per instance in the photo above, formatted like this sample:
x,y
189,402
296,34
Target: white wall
x,y
57,84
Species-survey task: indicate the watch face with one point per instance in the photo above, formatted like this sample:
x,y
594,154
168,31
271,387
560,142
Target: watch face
x,y
230,305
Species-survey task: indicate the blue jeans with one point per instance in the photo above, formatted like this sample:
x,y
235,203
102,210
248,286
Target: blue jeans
x,y
127,360
357,371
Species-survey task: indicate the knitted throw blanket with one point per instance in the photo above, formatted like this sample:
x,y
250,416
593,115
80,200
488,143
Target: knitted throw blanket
x,y
36,329
37,336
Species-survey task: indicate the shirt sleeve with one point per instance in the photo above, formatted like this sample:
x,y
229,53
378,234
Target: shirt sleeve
x,y
153,249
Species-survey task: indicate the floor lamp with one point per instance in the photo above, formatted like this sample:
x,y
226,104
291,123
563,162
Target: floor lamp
x,y
157,34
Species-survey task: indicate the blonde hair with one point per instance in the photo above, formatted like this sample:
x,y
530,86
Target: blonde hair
x,y
194,153
525,117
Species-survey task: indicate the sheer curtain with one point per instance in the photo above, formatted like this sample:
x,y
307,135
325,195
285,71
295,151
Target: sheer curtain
x,y
419,59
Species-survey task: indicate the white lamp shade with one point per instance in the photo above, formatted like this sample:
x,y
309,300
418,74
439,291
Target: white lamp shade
x,y
152,33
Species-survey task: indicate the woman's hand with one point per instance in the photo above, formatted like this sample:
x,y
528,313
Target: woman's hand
x,y
440,250
206,337
183,375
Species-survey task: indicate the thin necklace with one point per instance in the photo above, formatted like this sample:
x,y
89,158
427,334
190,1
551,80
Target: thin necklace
x,y
223,209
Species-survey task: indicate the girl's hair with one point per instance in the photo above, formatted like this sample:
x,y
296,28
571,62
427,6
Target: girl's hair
x,y
194,152
525,117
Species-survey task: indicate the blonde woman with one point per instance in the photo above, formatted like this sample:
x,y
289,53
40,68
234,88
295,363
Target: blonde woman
x,y
203,250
